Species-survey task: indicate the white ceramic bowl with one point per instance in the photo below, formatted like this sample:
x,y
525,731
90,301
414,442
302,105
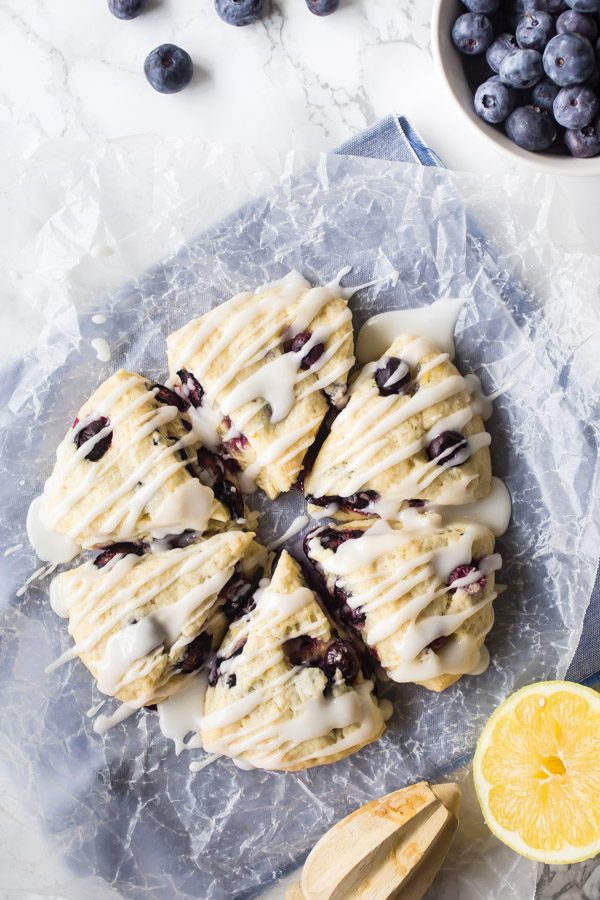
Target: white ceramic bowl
x,y
449,63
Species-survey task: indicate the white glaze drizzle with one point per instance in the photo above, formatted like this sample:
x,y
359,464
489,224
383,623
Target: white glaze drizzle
x,y
180,715
102,348
436,322
493,511
98,319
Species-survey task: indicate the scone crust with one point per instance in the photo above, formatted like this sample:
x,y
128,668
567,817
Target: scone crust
x,y
333,470
297,431
262,635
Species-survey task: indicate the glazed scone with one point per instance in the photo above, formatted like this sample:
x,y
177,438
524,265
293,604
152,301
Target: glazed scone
x,y
286,692
122,472
419,594
412,430
262,370
142,621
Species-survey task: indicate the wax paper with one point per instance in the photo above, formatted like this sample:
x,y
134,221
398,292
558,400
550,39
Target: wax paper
x,y
149,233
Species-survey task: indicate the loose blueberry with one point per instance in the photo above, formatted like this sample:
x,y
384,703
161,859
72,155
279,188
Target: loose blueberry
x,y
122,549
166,395
521,68
543,94
572,22
534,30
494,101
191,388
569,59
341,655
472,33
462,572
168,69
240,12
392,376
575,107
88,432
584,142
195,654
445,447
501,47
127,9
531,128
584,6
296,345
487,7
322,7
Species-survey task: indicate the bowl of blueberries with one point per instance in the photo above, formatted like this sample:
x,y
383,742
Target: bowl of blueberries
x,y
526,73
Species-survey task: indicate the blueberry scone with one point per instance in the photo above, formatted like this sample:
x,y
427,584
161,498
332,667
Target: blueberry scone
x,y
143,621
125,470
419,594
285,691
261,371
412,430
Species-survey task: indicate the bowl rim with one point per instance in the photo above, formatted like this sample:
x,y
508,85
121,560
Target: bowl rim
x,y
440,45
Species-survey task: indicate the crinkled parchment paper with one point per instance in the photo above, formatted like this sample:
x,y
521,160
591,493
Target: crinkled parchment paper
x,y
150,233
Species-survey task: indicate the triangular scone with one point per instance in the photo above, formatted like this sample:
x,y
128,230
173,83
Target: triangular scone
x,y
121,472
262,369
142,621
420,595
287,693
412,430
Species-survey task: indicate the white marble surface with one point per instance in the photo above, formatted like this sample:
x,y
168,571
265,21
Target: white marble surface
x,y
68,68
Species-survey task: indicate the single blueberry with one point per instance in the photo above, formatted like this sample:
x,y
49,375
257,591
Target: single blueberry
x,y
487,7
296,344
494,101
584,6
322,7
569,59
122,549
127,9
445,446
168,69
472,33
438,643
191,388
331,538
584,142
303,650
535,30
342,655
461,572
89,431
392,376
521,68
575,106
501,47
170,398
214,672
571,22
531,128
544,93
240,12
195,654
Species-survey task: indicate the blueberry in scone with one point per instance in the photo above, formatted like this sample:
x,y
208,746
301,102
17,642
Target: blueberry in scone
x,y
141,621
286,691
125,470
262,370
411,430
418,594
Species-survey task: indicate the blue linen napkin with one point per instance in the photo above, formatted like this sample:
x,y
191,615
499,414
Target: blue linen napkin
x,y
395,139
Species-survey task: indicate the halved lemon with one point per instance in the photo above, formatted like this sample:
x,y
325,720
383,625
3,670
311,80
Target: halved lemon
x,y
537,772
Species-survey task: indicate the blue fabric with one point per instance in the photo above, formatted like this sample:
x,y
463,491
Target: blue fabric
x,y
394,138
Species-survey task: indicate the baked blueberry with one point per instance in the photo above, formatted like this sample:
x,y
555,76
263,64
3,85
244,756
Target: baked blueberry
x,y
298,342
166,395
500,48
472,33
583,143
531,127
123,549
195,654
214,672
191,388
168,69
569,59
392,376
303,650
494,101
341,655
575,106
446,446
462,572
535,30
127,9
322,7
543,94
521,68
438,643
240,12
87,432
572,22
331,538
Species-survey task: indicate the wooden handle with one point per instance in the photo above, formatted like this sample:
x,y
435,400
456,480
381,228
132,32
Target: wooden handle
x,y
389,849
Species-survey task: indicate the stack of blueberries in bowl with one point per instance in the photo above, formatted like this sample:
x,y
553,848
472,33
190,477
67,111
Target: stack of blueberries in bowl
x,y
534,67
